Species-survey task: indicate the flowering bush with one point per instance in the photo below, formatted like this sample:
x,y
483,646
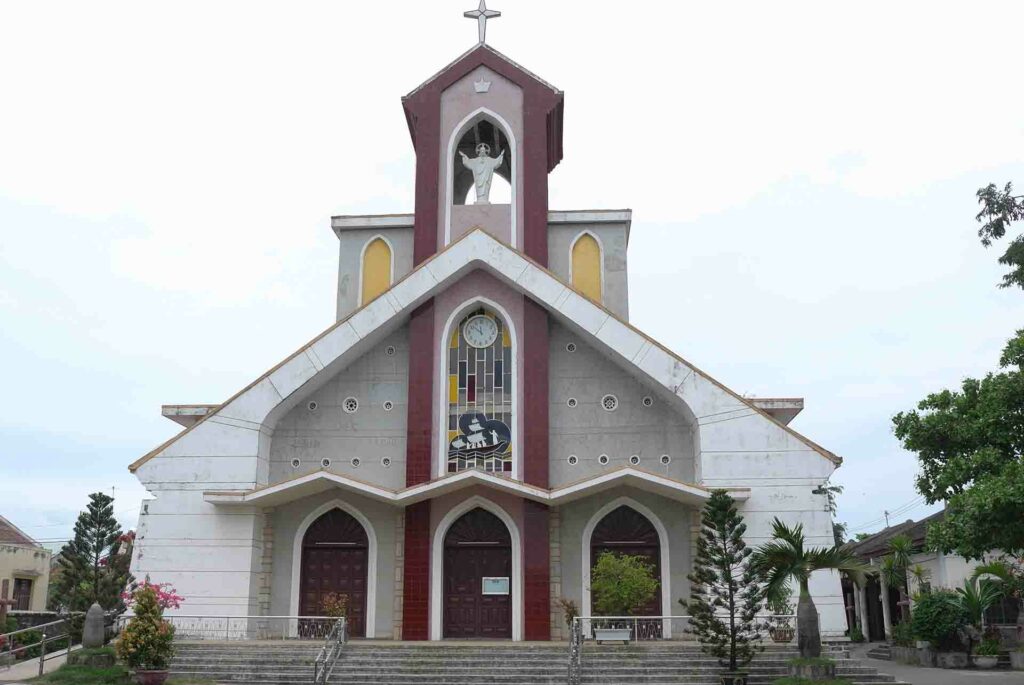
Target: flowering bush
x,y
166,596
146,643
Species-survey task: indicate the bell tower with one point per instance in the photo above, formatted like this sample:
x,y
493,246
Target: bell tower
x,y
487,133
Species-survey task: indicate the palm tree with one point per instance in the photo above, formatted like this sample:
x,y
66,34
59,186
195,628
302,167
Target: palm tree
x,y
1011,581
785,558
976,597
895,567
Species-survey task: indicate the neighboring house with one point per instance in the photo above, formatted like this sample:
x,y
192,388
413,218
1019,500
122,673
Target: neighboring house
x,y
941,571
481,422
24,569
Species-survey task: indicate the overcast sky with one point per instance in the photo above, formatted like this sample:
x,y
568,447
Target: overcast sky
x,y
801,175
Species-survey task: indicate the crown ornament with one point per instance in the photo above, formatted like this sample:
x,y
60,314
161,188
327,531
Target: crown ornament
x,y
481,86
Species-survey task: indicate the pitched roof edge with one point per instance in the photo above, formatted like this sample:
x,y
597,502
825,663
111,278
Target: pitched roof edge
x,y
810,443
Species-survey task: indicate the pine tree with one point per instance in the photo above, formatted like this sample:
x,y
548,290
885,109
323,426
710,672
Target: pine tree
x,y
726,592
94,565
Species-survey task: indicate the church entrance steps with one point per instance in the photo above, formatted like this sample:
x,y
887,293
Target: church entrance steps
x,y
479,663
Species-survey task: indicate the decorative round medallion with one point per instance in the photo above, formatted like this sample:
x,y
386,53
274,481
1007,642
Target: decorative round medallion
x,y
480,331
610,402
350,405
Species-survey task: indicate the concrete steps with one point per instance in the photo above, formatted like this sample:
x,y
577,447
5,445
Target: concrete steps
x,y
497,663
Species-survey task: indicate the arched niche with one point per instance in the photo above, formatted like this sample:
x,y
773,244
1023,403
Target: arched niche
x,y
482,129
586,266
376,269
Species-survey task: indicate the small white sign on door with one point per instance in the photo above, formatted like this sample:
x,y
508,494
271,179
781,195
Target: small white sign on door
x,y
496,585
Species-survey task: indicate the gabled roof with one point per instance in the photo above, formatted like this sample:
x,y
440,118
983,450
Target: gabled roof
x,y
321,481
469,60
878,544
10,534
709,403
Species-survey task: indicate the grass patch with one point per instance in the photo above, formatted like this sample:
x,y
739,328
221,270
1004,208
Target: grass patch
x,y
805,681
115,675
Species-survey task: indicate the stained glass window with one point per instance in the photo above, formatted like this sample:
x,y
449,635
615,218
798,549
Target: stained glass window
x,y
480,394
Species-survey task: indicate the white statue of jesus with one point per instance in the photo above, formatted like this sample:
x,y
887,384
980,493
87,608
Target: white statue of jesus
x,y
482,166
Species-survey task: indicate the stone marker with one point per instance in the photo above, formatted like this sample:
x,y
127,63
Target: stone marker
x,y
92,633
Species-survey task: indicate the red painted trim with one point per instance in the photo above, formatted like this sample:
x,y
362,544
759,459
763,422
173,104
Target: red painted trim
x,y
536,422
542,122
536,572
416,575
419,424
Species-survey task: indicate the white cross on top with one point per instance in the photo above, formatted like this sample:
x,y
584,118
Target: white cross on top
x,y
482,14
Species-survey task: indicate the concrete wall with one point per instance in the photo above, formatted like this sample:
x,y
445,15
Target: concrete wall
x,y
32,563
612,237
676,518
370,434
286,521
351,243
588,431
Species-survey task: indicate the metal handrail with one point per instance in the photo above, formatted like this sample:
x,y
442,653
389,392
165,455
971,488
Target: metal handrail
x,y
48,636
328,656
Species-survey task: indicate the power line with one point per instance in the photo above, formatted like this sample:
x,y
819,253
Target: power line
x,y
902,509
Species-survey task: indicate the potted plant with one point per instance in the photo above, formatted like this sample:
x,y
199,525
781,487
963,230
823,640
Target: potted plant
x,y
939,619
621,585
146,643
987,654
726,590
780,622
1009,573
785,558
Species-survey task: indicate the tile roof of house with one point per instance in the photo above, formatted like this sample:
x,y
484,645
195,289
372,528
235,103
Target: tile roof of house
x,y
878,544
10,534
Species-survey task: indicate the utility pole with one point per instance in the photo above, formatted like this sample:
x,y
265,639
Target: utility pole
x,y
886,518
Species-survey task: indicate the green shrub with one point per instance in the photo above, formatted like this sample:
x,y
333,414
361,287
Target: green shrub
x,y
29,637
988,647
939,618
856,635
903,634
622,584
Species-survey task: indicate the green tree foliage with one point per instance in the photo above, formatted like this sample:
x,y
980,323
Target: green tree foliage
x,y
147,642
969,445
94,564
622,584
784,559
726,591
999,209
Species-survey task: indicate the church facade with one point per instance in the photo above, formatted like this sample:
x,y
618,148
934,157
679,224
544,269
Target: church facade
x,y
480,423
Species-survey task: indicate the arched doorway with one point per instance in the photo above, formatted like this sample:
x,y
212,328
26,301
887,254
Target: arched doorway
x,y
624,530
335,551
477,577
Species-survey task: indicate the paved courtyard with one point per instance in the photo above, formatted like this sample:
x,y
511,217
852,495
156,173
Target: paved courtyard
x,y
917,675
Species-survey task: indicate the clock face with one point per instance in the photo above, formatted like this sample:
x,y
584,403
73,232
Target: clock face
x,y
480,331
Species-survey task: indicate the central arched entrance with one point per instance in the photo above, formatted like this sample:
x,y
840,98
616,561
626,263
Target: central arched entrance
x,y
477,577
335,553
624,530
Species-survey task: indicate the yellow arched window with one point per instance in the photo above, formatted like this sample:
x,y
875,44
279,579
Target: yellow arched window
x,y
376,270
586,266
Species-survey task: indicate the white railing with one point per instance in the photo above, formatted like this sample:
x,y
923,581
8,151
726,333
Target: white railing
x,y
328,656
197,627
780,629
42,642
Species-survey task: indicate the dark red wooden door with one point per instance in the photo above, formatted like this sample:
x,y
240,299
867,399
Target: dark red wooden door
x,y
478,545
335,552
627,531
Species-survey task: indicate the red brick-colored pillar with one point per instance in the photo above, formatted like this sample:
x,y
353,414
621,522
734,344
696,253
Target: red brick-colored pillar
x,y
536,545
416,575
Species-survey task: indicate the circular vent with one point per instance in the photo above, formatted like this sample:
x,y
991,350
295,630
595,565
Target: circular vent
x,y
325,463
295,463
610,402
635,459
390,350
355,462
350,405
571,402
573,460
666,460
312,406
386,462
603,460
388,405
571,347
648,401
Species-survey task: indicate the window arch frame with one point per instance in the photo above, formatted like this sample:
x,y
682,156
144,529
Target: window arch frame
x,y
600,261
455,318
456,135
362,267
